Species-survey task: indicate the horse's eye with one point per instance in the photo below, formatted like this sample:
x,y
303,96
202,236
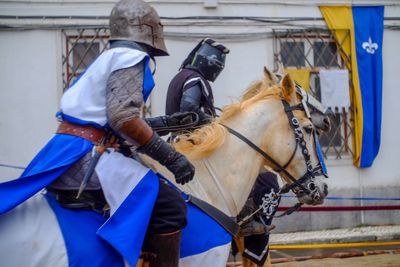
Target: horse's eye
x,y
309,129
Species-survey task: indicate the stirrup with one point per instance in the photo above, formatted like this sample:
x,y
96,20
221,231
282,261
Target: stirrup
x,y
255,228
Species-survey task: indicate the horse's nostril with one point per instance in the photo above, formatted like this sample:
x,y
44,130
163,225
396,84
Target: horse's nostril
x,y
311,186
316,196
327,123
325,189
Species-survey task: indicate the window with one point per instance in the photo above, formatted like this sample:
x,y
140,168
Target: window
x,y
292,54
313,50
81,48
83,55
325,54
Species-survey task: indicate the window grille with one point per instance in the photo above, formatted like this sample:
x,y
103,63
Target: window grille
x,y
81,47
325,54
316,49
292,54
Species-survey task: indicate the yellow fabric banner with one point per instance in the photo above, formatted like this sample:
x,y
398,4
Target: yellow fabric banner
x,y
340,20
301,76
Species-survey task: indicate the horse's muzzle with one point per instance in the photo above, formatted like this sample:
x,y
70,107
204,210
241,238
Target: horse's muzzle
x,y
318,190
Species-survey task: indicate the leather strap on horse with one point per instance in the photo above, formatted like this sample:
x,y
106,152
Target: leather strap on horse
x,y
228,223
181,127
266,156
290,210
295,125
90,133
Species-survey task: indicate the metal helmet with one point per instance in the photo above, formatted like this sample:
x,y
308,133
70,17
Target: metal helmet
x,y
137,21
208,58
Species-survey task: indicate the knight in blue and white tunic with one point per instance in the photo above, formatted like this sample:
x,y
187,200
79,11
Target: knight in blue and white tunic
x,y
107,100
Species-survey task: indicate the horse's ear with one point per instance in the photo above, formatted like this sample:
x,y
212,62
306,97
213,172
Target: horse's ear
x,y
281,70
270,76
267,73
288,89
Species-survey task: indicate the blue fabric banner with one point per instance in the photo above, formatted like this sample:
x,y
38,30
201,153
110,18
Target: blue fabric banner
x,y
364,48
368,30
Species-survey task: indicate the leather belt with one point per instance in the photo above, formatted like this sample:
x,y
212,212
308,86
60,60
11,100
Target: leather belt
x,y
87,132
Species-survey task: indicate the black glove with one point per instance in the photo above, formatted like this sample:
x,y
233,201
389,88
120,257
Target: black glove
x,y
182,118
174,161
175,122
205,119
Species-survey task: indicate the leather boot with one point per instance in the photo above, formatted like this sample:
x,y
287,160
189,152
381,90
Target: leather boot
x,y
164,249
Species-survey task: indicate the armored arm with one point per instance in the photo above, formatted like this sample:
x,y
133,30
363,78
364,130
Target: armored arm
x,y
124,104
137,131
172,123
192,101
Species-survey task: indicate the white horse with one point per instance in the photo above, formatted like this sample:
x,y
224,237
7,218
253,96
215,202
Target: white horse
x,y
318,115
226,169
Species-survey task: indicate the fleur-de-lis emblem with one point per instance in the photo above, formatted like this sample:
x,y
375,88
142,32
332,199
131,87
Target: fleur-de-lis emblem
x,y
369,46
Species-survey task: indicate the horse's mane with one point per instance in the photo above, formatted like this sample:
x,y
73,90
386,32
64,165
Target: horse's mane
x,y
203,141
270,79
252,90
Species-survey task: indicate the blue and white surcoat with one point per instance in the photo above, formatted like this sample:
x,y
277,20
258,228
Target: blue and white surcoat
x,y
129,187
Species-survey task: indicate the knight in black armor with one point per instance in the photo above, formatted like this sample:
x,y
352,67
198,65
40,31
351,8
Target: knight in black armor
x,y
190,89
256,225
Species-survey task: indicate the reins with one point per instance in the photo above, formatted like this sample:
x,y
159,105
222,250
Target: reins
x,y
299,141
228,223
266,156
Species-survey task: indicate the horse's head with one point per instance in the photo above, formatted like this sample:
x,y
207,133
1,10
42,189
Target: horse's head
x,y
268,119
315,110
293,143
319,115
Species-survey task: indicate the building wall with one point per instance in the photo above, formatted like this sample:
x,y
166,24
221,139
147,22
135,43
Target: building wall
x,y
31,86
29,95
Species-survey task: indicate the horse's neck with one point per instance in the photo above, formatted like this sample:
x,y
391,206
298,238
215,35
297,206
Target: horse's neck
x,y
226,178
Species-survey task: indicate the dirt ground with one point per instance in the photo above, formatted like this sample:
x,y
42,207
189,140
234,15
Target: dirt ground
x,y
383,260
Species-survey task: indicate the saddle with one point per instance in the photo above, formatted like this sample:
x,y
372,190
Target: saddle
x,y
89,200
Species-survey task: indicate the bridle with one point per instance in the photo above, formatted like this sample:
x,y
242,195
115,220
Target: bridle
x,y
306,184
295,125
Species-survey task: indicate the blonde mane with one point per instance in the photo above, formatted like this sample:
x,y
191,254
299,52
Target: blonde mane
x,y
202,142
269,80
253,89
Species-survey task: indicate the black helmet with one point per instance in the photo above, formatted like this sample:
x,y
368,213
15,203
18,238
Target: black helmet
x,y
208,57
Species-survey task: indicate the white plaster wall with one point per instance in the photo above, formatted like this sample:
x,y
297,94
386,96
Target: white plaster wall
x,y
30,78
30,84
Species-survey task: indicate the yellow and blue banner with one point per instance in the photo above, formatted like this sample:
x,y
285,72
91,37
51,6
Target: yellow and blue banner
x,y
364,48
